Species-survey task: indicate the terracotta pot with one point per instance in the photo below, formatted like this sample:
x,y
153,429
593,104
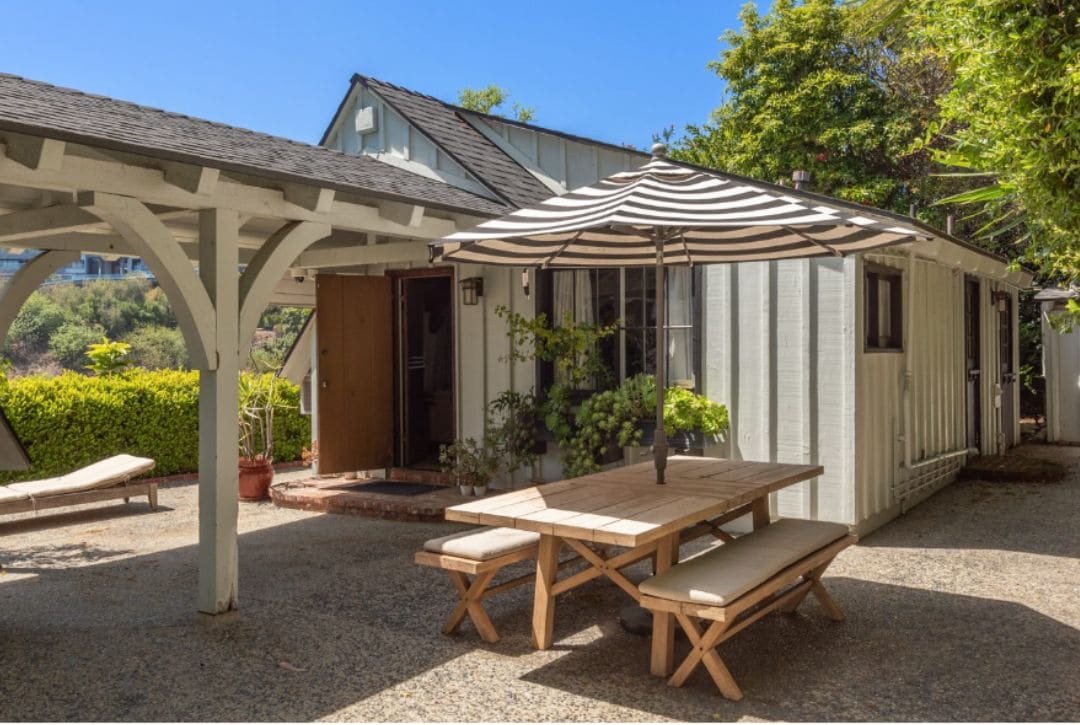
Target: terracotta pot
x,y
255,478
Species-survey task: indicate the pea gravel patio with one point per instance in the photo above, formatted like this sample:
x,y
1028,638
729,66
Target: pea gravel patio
x,y
965,609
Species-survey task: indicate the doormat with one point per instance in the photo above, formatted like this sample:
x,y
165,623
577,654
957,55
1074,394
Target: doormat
x,y
392,488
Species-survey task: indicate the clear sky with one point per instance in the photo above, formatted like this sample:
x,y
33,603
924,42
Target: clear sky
x,y
616,71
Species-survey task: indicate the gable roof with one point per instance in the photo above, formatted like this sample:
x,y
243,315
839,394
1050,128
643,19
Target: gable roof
x,y
444,125
42,109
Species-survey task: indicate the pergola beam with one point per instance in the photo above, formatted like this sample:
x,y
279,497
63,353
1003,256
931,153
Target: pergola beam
x,y
150,186
35,152
21,226
27,279
394,252
199,180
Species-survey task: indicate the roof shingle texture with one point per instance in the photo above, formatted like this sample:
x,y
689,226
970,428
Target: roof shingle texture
x,y
37,108
442,123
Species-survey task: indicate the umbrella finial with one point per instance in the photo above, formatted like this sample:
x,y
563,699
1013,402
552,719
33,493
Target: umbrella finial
x,y
659,150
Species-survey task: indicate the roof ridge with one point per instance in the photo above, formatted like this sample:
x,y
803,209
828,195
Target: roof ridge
x,y
503,119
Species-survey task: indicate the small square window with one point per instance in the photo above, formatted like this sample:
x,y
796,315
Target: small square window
x,y
884,317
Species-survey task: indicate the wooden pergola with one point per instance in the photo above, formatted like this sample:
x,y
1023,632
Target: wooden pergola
x,y
219,215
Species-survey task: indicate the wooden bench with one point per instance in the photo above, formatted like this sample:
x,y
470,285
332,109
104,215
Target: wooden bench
x,y
479,553
737,583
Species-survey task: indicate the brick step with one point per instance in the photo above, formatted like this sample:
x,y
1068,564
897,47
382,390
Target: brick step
x,y
419,475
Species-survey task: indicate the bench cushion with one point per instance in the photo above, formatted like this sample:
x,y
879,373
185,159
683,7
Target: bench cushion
x,y
721,575
482,544
102,474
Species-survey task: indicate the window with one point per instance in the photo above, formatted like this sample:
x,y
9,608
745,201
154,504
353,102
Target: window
x,y
884,318
604,296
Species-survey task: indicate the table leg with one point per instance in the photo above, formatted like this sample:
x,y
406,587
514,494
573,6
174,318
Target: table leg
x,y
662,661
760,512
547,565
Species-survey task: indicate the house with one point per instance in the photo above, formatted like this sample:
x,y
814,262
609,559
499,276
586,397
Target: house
x,y
889,368
1061,369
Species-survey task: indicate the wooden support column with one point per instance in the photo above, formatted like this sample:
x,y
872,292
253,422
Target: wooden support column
x,y
218,404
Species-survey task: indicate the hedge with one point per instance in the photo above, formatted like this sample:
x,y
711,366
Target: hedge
x,y
72,420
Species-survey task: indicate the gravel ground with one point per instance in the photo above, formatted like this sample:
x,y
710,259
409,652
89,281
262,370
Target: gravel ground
x,y
964,609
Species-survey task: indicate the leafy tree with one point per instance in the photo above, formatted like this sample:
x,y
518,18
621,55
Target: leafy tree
x,y
69,343
37,321
157,346
807,92
1015,105
108,356
489,99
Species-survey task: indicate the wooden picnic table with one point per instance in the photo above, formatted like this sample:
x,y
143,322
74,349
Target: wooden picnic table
x,y
625,507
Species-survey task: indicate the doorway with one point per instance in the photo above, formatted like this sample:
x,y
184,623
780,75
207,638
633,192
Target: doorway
x,y
1003,308
424,352
971,358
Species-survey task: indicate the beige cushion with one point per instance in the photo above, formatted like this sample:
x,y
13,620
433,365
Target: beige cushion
x,y
721,575
6,494
482,544
97,475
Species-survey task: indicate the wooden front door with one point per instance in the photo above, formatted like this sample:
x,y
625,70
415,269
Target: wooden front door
x,y
971,357
355,378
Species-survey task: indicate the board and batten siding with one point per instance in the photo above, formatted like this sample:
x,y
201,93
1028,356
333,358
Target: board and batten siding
x,y
1061,368
777,342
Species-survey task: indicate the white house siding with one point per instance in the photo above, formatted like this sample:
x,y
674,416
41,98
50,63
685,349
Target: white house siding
x,y
1061,368
777,337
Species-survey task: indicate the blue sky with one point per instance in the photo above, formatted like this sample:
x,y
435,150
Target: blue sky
x,y
617,71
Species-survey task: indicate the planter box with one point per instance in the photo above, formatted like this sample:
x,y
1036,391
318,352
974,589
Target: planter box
x,y
682,440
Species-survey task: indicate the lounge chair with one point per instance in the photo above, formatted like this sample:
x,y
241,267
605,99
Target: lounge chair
x,y
107,479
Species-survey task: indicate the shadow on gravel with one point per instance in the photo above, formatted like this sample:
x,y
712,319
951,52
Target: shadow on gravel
x,y
903,654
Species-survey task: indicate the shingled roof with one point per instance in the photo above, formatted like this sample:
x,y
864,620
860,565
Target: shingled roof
x,y
36,108
445,126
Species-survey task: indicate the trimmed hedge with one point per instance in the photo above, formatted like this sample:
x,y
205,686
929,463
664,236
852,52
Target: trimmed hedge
x,y
72,420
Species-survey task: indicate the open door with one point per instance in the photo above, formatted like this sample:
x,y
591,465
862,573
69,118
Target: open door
x,y
356,384
971,357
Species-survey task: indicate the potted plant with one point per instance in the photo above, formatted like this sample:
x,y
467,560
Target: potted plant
x,y
256,435
471,464
513,425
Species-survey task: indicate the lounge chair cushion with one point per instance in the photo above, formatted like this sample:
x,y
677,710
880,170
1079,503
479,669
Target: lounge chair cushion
x,y
482,544
102,474
719,576
6,494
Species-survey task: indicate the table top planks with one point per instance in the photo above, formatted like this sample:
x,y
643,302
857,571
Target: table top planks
x,y
625,507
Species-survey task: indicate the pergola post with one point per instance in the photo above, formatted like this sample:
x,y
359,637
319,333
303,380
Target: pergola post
x,y
218,405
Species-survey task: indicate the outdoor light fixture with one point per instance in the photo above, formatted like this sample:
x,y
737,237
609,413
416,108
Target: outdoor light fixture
x,y
472,289
525,282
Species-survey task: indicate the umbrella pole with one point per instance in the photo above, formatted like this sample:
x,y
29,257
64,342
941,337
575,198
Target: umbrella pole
x,y
660,440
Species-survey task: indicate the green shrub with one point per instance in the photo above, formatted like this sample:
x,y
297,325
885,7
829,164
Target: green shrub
x,y
70,342
155,346
36,323
72,420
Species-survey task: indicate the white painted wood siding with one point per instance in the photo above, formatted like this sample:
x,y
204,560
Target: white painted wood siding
x,y
777,343
1061,368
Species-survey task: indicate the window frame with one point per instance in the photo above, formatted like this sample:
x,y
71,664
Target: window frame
x,y
873,276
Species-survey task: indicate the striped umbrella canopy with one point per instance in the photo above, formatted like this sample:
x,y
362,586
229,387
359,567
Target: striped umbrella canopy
x,y
667,214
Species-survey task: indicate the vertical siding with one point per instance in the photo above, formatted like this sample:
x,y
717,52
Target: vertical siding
x,y
1061,368
777,338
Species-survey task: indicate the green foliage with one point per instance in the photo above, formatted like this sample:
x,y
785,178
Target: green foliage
x,y
613,418
573,347
258,405
470,463
513,426
287,323
805,91
108,357
117,306
156,346
69,343
36,322
1015,109
489,99
72,420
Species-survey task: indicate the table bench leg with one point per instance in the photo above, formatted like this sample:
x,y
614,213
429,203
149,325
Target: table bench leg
x,y
547,566
662,660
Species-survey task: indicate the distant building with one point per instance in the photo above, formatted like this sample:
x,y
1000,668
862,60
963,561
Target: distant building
x,y
88,267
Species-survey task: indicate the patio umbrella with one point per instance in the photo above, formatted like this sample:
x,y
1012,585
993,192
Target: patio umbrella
x,y
665,213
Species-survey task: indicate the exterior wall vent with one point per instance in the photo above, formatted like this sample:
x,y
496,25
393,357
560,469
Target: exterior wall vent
x,y
366,120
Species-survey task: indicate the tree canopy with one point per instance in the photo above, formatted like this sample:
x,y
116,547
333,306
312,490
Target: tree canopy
x,y
491,100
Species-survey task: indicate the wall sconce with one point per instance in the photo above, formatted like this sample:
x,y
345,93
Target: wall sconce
x,y
472,289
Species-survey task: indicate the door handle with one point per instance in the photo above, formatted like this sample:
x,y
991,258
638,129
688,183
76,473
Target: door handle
x,y
324,384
